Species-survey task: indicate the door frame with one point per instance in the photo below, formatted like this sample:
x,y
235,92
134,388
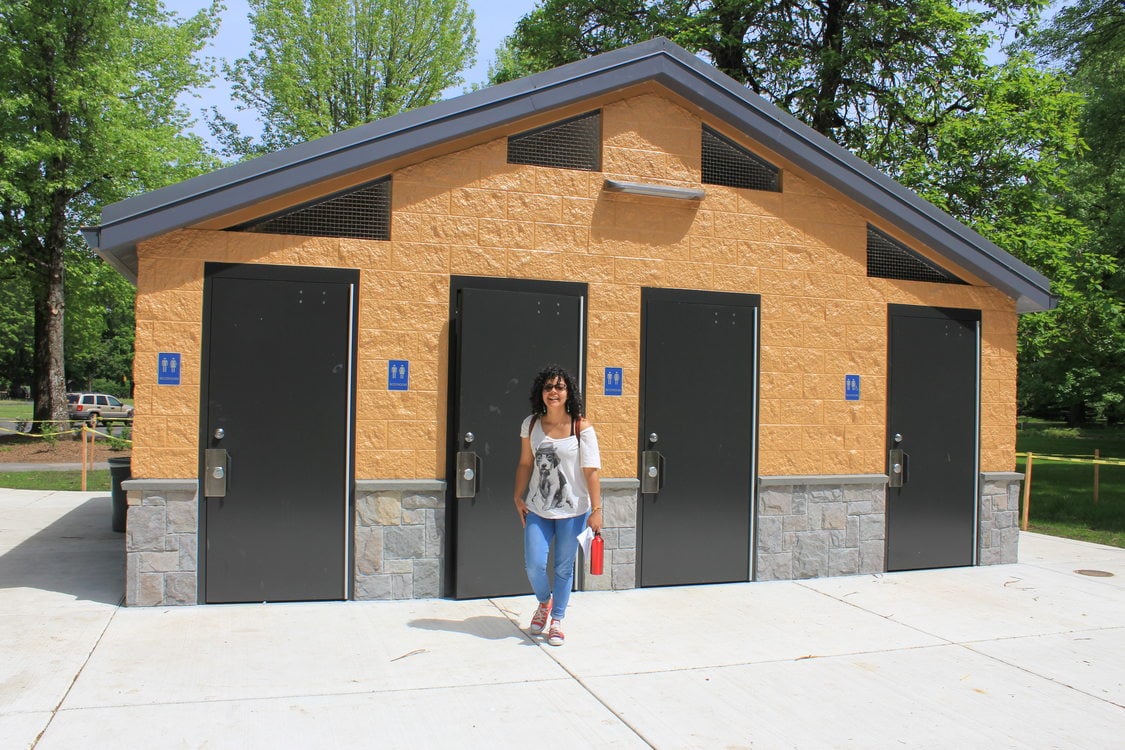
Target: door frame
x,y
962,314
732,299
268,272
530,286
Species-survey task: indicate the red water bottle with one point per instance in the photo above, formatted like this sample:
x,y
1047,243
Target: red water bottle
x,y
597,554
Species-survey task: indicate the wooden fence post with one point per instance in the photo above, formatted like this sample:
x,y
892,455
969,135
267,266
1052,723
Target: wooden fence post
x,y
1026,493
1097,455
84,454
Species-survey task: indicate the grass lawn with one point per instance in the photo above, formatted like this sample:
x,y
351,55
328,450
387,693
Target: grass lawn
x,y
1062,495
16,410
96,481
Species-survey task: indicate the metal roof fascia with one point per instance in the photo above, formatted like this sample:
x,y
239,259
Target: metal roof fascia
x,y
200,198
659,60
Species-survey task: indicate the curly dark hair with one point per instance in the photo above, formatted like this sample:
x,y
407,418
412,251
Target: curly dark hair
x,y
574,404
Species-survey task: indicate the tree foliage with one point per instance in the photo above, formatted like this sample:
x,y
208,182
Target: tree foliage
x,y
1074,360
88,116
869,75
320,66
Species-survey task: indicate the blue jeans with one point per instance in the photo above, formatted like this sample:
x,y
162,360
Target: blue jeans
x,y
537,536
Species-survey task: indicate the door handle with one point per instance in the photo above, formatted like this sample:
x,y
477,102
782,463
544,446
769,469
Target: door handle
x,y
652,472
216,472
899,462
468,475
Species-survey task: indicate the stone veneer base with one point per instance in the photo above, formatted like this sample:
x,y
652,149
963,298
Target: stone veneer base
x,y
806,527
820,526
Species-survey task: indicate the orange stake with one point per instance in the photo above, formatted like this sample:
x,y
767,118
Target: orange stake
x,y
1097,455
1026,493
84,454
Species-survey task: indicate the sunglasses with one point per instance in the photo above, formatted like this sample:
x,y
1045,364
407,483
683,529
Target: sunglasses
x,y
554,387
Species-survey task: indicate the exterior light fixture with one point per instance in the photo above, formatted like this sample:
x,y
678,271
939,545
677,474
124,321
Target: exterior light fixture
x,y
655,191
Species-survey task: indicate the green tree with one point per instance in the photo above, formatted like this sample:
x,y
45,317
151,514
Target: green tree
x,y
88,116
320,66
99,329
869,75
1074,361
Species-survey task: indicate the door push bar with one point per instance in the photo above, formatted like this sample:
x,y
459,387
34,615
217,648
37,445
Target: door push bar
x,y
216,469
468,475
899,461
652,472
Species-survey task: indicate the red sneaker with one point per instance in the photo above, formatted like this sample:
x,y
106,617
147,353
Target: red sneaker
x,y
556,637
539,619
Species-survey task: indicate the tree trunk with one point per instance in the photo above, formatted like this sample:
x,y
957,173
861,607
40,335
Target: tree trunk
x,y
50,304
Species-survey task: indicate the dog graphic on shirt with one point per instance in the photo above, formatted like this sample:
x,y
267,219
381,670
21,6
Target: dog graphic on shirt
x,y
551,486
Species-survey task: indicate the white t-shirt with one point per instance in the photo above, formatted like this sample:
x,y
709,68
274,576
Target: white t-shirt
x,y
557,488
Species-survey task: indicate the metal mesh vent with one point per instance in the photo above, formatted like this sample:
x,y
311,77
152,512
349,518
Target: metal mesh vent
x,y
361,213
890,259
571,144
727,163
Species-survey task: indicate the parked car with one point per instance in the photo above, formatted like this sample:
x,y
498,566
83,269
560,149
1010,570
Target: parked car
x,y
98,407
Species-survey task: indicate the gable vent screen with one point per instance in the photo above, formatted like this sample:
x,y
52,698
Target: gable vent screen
x,y
890,259
571,144
727,163
363,213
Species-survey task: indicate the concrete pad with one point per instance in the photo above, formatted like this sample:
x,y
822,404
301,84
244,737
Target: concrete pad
x,y
18,731
1092,661
553,714
43,654
28,513
1068,556
213,653
970,604
644,630
940,697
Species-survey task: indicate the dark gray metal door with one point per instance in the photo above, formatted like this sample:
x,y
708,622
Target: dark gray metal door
x,y
505,332
278,374
933,424
698,412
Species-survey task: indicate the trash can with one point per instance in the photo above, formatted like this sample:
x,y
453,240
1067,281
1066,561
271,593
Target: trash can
x,y
120,468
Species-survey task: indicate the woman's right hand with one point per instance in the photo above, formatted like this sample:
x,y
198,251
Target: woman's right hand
x,y
521,509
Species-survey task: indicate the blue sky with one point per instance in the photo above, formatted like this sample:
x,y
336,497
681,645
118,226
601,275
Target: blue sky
x,y
495,20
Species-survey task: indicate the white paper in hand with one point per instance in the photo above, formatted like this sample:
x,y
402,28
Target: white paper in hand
x,y
584,540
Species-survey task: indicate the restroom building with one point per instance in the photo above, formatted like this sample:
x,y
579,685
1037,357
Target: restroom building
x,y
796,367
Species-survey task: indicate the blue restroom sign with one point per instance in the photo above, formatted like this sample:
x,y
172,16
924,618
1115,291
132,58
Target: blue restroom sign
x,y
851,387
168,368
398,375
613,380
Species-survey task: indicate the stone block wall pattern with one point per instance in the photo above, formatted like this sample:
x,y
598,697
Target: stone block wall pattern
x,y
619,530
998,519
817,527
399,540
161,543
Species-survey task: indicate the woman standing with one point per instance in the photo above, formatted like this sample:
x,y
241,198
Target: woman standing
x,y
558,492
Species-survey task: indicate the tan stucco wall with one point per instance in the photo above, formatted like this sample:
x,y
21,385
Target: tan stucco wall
x,y
471,213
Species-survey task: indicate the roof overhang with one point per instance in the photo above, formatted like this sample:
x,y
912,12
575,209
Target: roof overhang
x,y
659,61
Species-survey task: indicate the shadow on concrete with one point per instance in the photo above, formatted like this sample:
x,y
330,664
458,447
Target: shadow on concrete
x,y
492,627
78,555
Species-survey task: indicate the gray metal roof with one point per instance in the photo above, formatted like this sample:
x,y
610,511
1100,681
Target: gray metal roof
x,y
128,222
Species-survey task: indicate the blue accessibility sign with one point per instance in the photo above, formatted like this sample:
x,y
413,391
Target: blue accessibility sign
x,y
613,380
168,368
398,375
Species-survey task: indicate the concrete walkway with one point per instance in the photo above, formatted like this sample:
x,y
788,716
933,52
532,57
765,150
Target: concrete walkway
x,y
1016,656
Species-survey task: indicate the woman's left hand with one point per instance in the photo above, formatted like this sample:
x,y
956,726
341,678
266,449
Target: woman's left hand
x,y
595,520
